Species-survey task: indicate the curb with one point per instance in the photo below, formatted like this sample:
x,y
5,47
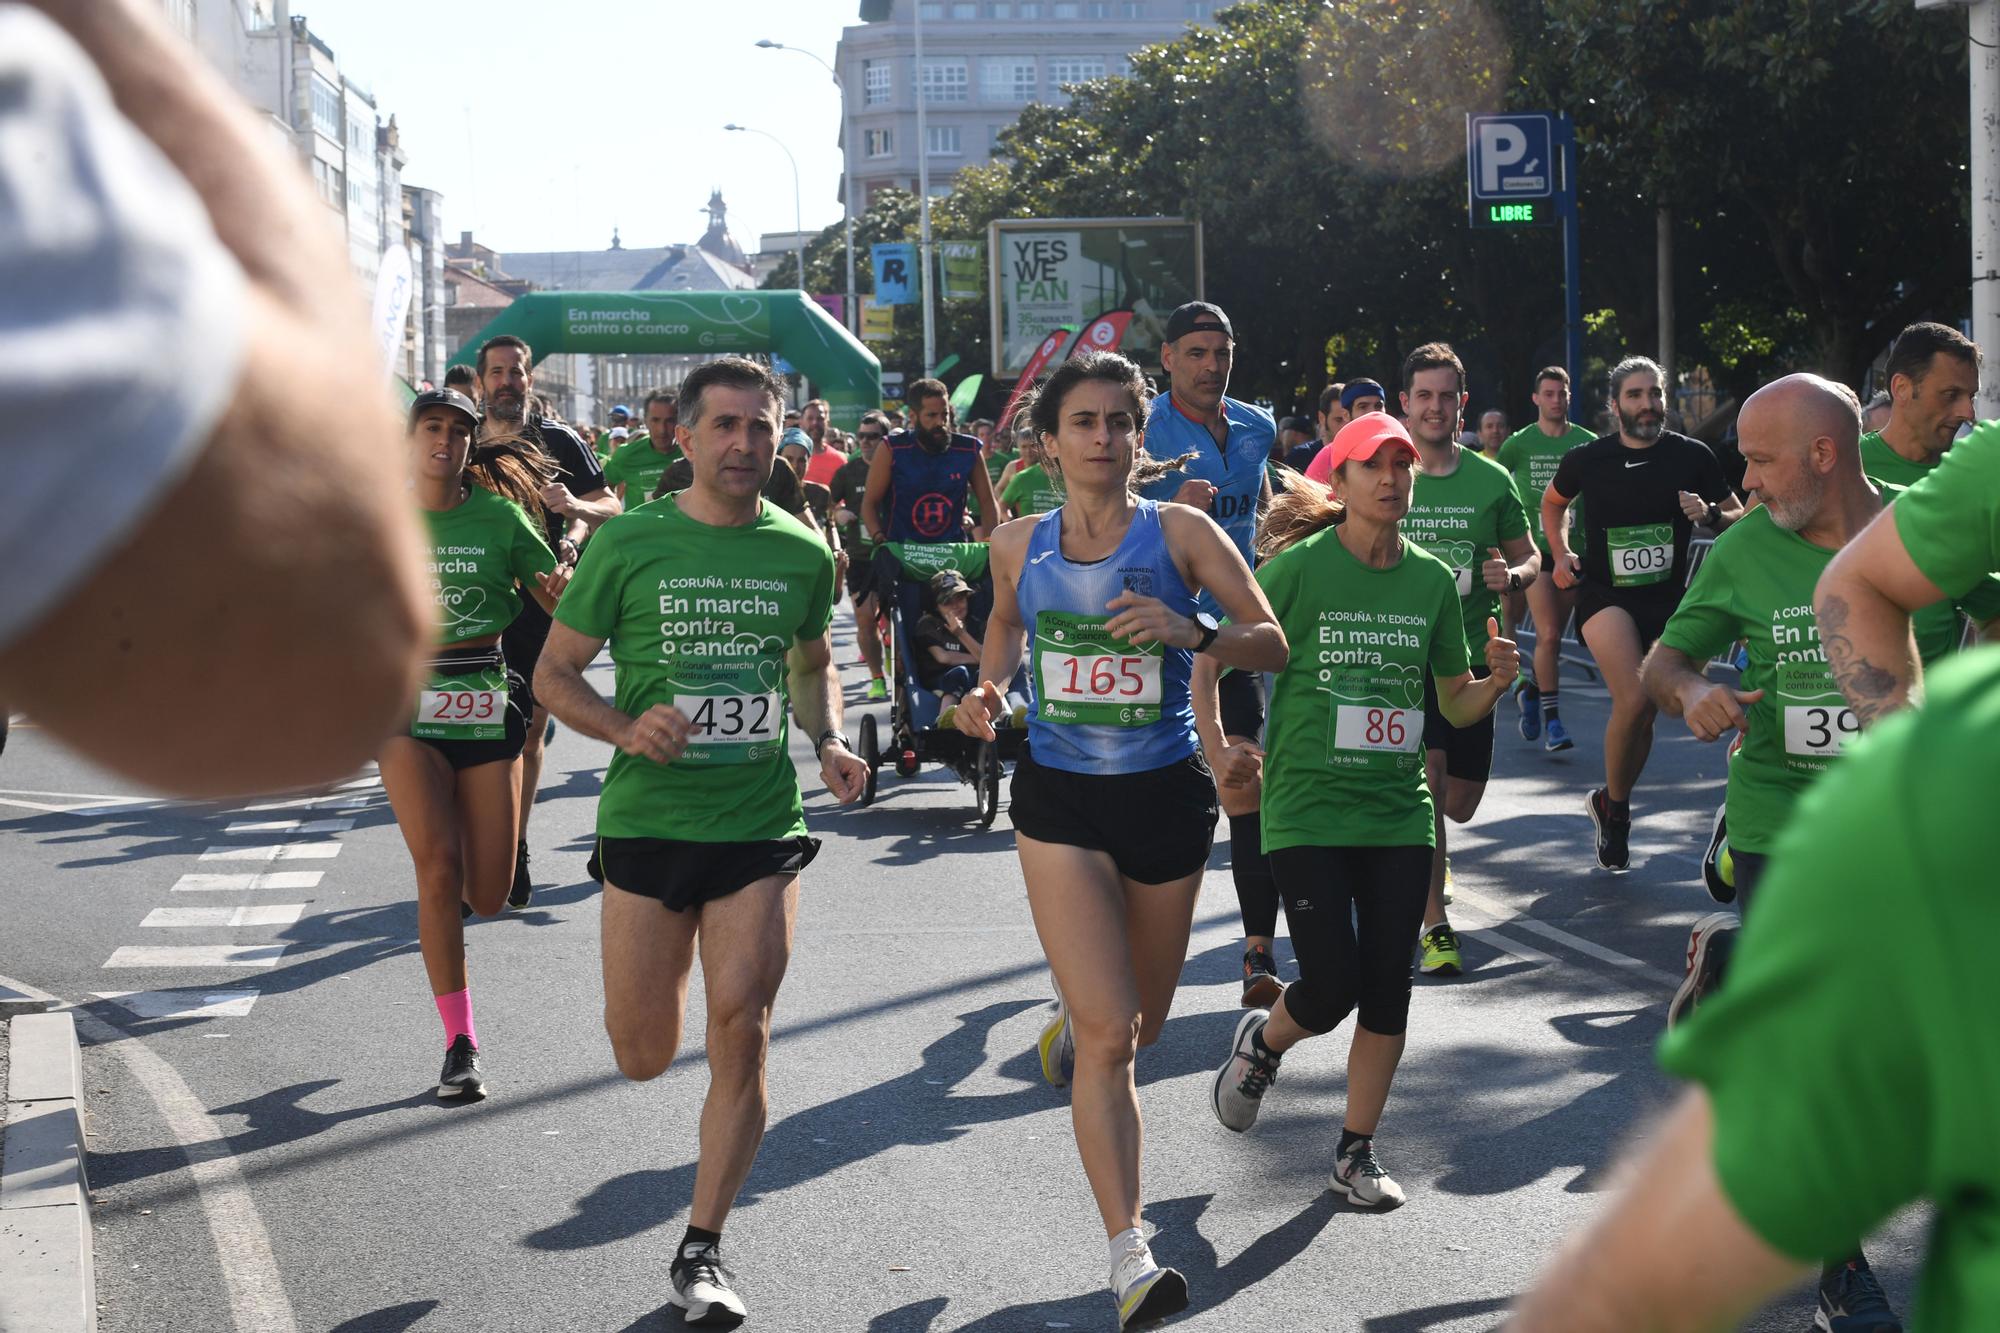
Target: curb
x,y
47,1282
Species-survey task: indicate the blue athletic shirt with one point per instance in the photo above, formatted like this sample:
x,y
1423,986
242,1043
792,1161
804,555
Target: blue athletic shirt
x,y
1102,705
1236,470
927,491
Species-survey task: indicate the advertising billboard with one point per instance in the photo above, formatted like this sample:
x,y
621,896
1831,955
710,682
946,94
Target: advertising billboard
x,y
1045,273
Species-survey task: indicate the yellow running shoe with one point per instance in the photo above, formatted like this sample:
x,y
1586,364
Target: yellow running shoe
x,y
1441,957
1057,1047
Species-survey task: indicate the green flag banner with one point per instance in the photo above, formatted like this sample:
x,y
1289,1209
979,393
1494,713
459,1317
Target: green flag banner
x,y
968,389
964,270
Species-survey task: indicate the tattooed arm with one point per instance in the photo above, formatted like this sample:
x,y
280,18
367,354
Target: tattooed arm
x,y
1864,602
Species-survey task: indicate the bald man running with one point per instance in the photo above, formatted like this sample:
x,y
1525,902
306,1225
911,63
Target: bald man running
x,y
1800,438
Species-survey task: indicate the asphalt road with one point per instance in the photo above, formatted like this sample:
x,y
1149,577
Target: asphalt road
x,y
267,1152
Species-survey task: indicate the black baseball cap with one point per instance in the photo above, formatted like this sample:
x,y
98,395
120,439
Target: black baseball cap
x,y
1198,317
450,398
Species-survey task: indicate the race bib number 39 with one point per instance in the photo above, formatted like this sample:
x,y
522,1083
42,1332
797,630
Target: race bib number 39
x,y
1640,555
730,728
471,707
1820,731
1085,676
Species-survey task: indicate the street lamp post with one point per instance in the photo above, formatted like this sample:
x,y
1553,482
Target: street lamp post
x,y
798,215
924,201
853,311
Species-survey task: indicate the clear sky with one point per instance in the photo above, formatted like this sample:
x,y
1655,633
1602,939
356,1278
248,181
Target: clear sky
x,y
545,123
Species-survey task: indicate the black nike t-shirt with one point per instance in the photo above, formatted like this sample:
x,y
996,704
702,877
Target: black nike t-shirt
x,y
1636,535
577,468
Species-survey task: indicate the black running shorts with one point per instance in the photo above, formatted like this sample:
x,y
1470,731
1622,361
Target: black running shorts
x,y
1650,614
1240,696
522,642
687,874
1468,751
1156,824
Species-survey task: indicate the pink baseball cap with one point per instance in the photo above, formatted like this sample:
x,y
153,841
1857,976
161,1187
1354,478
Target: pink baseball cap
x,y
1362,437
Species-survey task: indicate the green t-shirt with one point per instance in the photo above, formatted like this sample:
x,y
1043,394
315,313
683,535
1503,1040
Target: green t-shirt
x,y
1531,457
1937,627
997,461
1881,462
701,618
1950,521
1032,490
1757,585
1344,751
479,551
1460,517
1845,1059
638,465
847,488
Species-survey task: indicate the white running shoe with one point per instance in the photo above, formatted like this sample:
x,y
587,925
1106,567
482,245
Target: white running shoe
x,y
1057,1046
1359,1176
702,1289
1146,1292
1245,1076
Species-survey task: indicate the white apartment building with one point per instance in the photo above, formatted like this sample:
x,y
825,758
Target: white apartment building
x,y
984,60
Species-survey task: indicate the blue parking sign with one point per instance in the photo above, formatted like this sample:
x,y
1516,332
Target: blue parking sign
x,y
1510,157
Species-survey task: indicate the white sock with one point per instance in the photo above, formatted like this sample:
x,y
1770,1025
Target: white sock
x,y
1133,1238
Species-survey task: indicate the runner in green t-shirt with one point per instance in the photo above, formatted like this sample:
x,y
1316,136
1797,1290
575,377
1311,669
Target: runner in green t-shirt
x,y
846,490
1941,538
1347,819
1531,454
1466,512
1030,489
1933,380
635,469
453,780
1842,1073
715,606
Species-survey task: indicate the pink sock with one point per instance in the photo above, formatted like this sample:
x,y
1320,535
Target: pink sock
x,y
456,1011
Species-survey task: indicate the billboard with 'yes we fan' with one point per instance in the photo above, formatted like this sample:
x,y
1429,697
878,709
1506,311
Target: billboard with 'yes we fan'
x,y
1044,274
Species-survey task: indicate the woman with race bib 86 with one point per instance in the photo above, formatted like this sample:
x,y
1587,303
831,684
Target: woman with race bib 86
x,y
1113,805
1347,814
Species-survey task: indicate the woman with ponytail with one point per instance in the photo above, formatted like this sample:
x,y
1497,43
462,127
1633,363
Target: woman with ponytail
x,y
453,780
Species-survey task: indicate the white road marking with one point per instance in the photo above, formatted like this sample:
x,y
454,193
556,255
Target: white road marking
x,y
275,914
257,1300
182,1003
290,826
269,879
1507,916
290,851
197,955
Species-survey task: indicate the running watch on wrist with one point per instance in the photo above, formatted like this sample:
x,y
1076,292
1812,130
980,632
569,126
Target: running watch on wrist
x,y
1206,623
1513,580
1714,515
829,735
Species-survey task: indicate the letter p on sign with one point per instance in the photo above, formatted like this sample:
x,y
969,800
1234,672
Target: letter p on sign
x,y
1501,145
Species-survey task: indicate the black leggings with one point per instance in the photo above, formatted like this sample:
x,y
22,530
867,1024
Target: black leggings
x,y
1256,893
1354,914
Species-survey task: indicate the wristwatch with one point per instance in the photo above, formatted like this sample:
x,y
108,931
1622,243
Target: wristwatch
x,y
829,735
1513,580
1714,515
1209,629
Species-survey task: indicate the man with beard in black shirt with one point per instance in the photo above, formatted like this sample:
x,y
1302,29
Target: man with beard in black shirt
x,y
1643,489
574,502
917,482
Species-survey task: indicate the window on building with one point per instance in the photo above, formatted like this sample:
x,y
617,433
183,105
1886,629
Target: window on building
x,y
1097,9
1075,69
930,11
965,9
326,109
1009,79
359,135
353,193
943,141
1066,9
945,80
1201,9
1000,9
1031,9
327,181
1132,9
876,82
879,143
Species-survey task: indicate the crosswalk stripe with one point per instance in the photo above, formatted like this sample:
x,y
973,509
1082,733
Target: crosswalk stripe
x,y
269,879
289,851
290,826
197,955
182,1003
275,914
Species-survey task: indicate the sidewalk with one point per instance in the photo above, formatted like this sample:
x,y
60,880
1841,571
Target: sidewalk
x,y
47,1284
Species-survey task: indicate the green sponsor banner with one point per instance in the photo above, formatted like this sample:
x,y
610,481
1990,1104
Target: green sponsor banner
x,y
591,323
923,559
964,270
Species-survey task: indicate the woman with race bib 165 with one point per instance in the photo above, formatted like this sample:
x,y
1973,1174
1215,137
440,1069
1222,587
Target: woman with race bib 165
x,y
1347,814
1113,805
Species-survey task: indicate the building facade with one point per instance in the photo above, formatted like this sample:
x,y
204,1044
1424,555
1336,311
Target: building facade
x,y
984,61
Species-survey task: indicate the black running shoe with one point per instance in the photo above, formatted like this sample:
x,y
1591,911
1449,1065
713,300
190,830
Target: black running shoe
x,y
1613,835
1852,1301
1261,987
701,1288
1721,886
460,1080
523,891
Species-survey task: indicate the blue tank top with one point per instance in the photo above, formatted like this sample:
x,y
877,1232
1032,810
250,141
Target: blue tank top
x,y
1101,705
927,491
1236,470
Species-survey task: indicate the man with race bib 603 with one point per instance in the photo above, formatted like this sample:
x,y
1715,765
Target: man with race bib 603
x,y
1643,489
716,606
